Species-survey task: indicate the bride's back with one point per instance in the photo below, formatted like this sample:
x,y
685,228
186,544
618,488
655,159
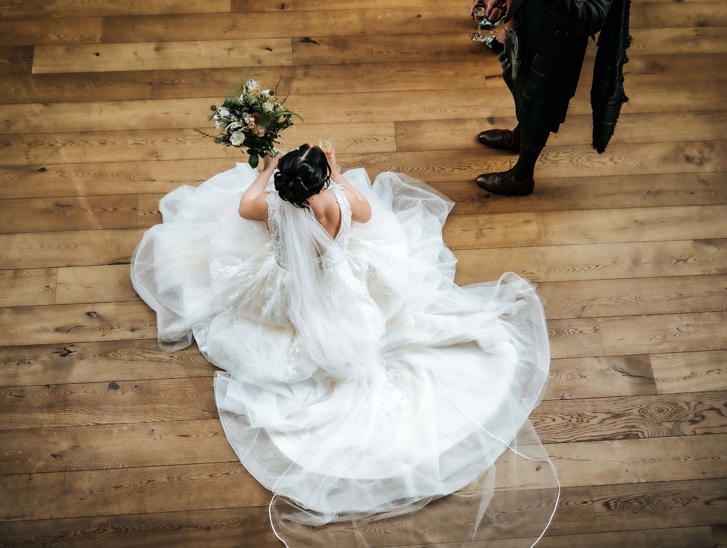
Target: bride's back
x,y
326,210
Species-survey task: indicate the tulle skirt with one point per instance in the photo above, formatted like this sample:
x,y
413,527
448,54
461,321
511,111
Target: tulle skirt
x,y
426,439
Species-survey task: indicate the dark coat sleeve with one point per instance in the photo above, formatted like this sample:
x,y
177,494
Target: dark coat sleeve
x,y
588,16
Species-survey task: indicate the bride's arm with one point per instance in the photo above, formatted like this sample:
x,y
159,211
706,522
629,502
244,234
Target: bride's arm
x,y
360,207
252,204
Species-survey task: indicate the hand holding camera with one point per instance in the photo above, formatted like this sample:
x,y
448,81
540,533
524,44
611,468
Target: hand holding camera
x,y
489,13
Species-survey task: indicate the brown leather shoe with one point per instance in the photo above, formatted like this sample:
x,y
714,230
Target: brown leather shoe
x,y
505,184
503,139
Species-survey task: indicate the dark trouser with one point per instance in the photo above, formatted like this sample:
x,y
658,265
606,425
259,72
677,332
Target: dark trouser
x,y
542,91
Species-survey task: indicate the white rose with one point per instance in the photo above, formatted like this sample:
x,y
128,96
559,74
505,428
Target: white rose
x,y
268,107
237,138
224,113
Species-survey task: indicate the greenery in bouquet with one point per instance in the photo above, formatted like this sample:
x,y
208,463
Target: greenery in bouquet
x,y
252,120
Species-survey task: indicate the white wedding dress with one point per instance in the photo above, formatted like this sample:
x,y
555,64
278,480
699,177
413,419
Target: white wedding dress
x,y
358,382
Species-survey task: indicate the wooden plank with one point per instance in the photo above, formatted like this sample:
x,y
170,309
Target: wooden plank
x,y
659,505
122,402
16,59
421,135
595,261
658,97
94,284
117,146
573,227
70,8
68,213
674,537
631,417
318,5
217,485
683,39
101,178
597,192
103,447
599,377
129,491
238,526
632,128
329,79
420,20
166,114
168,144
43,30
398,21
657,15
335,50
71,248
566,161
151,56
467,73
692,372
361,48
673,67
246,527
27,287
38,88
98,361
451,123
75,323
602,298
591,337
107,116
431,167
189,83
640,460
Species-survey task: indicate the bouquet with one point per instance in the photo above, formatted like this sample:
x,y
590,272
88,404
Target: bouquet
x,y
253,120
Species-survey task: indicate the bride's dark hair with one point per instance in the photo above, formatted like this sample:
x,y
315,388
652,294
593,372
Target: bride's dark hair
x,y
302,173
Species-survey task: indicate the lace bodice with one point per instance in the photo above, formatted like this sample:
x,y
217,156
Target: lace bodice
x,y
274,208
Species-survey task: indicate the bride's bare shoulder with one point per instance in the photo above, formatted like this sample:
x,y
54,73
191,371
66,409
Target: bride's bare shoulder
x,y
325,208
324,202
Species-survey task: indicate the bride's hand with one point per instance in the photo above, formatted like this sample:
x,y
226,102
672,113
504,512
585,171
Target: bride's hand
x,y
331,157
270,162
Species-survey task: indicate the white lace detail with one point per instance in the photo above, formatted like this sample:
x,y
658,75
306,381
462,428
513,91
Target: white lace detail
x,y
273,201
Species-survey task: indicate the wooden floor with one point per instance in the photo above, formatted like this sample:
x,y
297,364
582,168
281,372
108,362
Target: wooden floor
x,y
107,441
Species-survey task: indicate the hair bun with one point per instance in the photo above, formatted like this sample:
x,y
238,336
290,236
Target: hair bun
x,y
291,188
301,173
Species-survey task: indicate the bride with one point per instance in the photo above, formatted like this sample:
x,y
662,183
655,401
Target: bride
x,y
379,402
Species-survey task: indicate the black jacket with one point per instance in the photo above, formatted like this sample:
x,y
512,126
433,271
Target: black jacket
x,y
559,28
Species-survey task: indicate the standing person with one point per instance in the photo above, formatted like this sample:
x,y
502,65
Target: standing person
x,y
357,381
541,65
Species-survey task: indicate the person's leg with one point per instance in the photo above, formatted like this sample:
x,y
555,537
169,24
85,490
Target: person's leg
x,y
505,139
532,142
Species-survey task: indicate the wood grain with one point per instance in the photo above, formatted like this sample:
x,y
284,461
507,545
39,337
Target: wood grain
x,y
107,440
150,56
628,418
98,361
